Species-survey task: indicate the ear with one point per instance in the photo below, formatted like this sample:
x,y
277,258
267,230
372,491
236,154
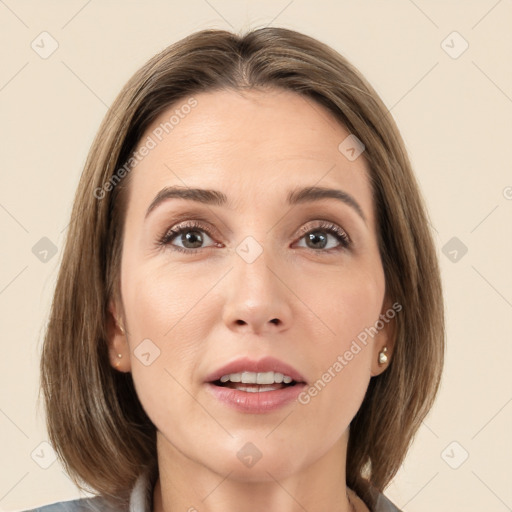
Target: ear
x,y
118,347
384,340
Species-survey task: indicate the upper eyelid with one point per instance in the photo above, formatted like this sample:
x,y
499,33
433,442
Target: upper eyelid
x,y
193,216
323,224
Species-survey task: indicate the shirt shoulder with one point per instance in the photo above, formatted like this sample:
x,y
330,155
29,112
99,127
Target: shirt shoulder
x,y
140,499
96,504
383,504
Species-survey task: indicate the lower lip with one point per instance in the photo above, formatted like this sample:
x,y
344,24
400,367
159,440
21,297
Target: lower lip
x,y
256,403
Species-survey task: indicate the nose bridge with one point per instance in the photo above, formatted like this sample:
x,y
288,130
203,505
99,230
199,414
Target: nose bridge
x,y
256,298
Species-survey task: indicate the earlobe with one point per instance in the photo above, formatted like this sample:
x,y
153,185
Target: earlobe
x,y
381,360
118,347
384,342
383,357
118,362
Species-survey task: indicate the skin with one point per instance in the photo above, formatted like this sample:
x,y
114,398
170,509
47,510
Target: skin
x,y
254,147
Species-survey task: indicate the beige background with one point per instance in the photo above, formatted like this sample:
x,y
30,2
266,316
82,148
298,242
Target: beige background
x,y
455,115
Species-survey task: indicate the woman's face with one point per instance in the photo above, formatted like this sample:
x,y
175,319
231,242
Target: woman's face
x,y
266,274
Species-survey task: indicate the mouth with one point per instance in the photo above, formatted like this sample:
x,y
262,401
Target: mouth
x,y
255,382
256,386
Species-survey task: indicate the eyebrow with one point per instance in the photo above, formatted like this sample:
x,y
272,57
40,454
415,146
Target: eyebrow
x,y
200,195
217,198
307,194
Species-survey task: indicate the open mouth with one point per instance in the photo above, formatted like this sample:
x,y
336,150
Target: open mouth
x,y
256,392
252,382
255,386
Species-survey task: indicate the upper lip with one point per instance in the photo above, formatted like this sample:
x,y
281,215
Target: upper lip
x,y
266,364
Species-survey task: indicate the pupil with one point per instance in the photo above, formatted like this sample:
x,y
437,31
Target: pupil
x,y
193,238
315,237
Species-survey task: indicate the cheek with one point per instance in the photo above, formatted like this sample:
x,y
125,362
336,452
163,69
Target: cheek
x,y
160,300
343,302
347,305
168,322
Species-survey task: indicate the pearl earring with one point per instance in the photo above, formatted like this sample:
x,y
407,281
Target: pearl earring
x,y
383,358
118,363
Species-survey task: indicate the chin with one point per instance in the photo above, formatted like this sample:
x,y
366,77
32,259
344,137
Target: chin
x,y
257,461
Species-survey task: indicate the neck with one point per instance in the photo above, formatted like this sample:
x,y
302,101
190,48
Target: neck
x,y
189,485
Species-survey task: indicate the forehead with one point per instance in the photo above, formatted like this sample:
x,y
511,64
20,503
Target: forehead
x,y
249,144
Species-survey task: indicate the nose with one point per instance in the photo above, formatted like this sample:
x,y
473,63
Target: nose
x,y
257,300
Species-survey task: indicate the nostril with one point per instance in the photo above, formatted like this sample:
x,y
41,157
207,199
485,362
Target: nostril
x,y
240,322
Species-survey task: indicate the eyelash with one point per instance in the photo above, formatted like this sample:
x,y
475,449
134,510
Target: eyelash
x,y
329,227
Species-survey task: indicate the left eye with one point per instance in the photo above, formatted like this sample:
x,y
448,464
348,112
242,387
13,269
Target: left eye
x,y
325,238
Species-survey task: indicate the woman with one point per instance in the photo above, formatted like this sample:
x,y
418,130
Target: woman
x,y
248,314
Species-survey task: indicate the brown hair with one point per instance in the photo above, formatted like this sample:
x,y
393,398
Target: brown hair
x,y
94,418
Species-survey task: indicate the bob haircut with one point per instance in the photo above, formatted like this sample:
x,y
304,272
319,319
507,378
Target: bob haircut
x,y
95,421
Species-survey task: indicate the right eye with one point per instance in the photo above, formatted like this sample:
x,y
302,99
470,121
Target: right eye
x,y
190,235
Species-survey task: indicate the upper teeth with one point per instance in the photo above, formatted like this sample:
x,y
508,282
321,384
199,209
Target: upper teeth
x,y
257,378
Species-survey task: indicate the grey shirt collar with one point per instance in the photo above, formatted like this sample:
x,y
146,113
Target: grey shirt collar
x,y
141,497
